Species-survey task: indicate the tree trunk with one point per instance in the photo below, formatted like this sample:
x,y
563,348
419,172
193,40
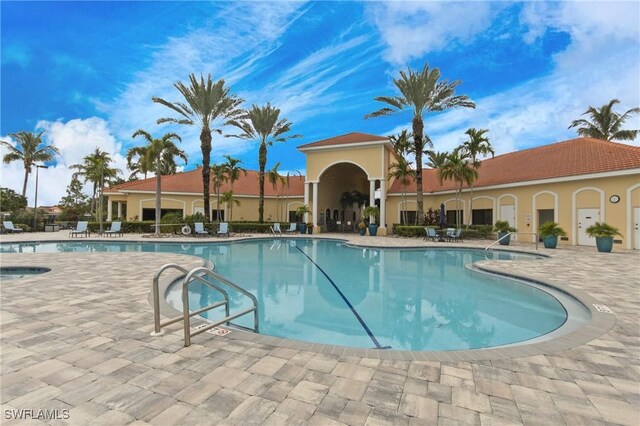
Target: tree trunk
x,y
470,207
262,160
217,201
92,209
26,178
418,127
158,195
205,145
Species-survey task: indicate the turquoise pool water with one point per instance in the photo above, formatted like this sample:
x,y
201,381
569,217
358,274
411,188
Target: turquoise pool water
x,y
323,291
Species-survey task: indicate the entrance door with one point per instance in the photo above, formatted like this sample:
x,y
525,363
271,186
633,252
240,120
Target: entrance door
x,y
586,218
544,215
508,213
636,228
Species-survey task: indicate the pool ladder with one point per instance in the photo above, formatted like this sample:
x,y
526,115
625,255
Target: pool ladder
x,y
508,234
199,274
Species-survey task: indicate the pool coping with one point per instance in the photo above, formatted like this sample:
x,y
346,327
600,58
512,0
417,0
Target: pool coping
x,y
597,325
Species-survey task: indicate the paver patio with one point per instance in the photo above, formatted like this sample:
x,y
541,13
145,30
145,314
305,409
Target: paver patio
x,y
77,338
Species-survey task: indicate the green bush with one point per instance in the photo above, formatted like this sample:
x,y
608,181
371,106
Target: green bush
x,y
483,231
252,227
409,231
23,226
471,234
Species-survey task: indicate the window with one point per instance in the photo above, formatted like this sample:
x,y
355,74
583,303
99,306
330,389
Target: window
x,y
451,217
217,215
411,217
482,217
150,214
292,216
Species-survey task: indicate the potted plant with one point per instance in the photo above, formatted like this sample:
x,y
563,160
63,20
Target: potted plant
x,y
603,234
362,228
373,214
502,227
300,212
549,231
309,227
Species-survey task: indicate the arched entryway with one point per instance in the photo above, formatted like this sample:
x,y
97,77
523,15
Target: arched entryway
x,y
336,180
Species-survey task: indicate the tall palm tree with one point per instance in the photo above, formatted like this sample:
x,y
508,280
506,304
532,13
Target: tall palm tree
x,y
276,178
263,123
162,154
139,162
288,186
421,92
477,144
96,169
206,103
232,169
606,124
435,159
218,176
401,143
459,169
402,171
29,149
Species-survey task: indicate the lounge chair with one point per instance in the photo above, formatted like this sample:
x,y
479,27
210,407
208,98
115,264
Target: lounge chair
x,y
430,234
8,227
293,227
223,229
456,235
81,228
198,230
275,229
115,229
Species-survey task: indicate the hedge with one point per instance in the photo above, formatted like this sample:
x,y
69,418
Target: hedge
x,y
410,231
473,232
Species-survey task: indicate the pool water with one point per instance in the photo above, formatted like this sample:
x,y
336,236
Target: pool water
x,y
13,272
326,292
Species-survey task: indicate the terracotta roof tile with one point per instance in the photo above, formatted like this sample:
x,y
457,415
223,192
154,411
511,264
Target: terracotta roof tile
x,y
345,139
191,182
568,158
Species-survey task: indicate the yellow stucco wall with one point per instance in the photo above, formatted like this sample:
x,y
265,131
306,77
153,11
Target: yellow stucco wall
x,y
368,158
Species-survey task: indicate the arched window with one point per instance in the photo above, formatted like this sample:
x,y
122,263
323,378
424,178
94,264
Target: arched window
x,y
327,216
335,214
342,216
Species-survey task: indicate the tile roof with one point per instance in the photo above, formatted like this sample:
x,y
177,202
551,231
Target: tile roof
x,y
191,182
346,139
573,157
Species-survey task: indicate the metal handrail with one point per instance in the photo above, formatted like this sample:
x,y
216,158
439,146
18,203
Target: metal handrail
x,y
198,274
508,234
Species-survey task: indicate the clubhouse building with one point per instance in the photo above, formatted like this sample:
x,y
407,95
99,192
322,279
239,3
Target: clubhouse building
x,y
576,183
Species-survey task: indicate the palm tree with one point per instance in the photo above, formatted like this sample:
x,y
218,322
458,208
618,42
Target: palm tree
x,y
401,143
228,199
28,149
274,178
402,171
421,92
233,170
288,185
206,102
160,153
218,175
95,169
138,161
458,168
263,123
605,124
477,144
435,159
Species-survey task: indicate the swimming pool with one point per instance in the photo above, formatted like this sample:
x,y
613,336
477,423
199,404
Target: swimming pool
x,y
13,272
326,292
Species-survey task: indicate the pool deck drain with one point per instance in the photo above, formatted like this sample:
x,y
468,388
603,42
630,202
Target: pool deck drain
x,y
77,339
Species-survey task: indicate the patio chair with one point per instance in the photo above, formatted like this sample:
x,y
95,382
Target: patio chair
x,y
81,229
430,234
223,229
293,227
276,229
198,230
456,235
8,227
115,229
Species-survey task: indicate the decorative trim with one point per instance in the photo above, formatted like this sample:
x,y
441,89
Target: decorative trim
x,y
630,233
534,216
574,210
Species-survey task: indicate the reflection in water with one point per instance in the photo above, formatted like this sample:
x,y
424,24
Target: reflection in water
x,y
409,299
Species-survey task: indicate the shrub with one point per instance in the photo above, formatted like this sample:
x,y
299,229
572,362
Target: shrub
x,y
409,231
259,228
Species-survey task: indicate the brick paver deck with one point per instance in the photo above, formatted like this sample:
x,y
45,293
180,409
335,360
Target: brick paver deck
x,y
77,339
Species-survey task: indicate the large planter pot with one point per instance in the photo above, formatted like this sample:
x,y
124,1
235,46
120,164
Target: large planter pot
x,y
373,230
506,241
362,231
604,244
303,228
550,241
309,229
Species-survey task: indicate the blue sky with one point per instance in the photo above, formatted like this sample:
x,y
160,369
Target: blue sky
x,y
85,72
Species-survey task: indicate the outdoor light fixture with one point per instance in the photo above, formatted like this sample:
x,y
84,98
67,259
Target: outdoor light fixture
x,y
35,207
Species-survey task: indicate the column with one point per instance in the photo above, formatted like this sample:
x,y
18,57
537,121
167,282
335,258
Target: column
x,y
314,218
306,198
372,196
109,210
383,203
119,209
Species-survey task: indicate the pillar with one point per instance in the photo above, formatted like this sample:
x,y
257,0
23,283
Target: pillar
x,y
119,210
306,198
109,210
372,196
383,203
314,218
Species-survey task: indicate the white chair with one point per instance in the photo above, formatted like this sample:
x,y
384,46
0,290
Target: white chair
x,y
8,227
199,230
276,229
223,229
430,234
293,227
115,229
82,228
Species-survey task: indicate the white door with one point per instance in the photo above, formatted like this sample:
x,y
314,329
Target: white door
x,y
636,228
586,218
508,213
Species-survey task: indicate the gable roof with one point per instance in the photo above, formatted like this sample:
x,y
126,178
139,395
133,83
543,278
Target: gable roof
x,y
573,157
346,139
191,182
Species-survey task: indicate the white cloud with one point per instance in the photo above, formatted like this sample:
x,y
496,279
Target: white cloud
x,y
75,139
